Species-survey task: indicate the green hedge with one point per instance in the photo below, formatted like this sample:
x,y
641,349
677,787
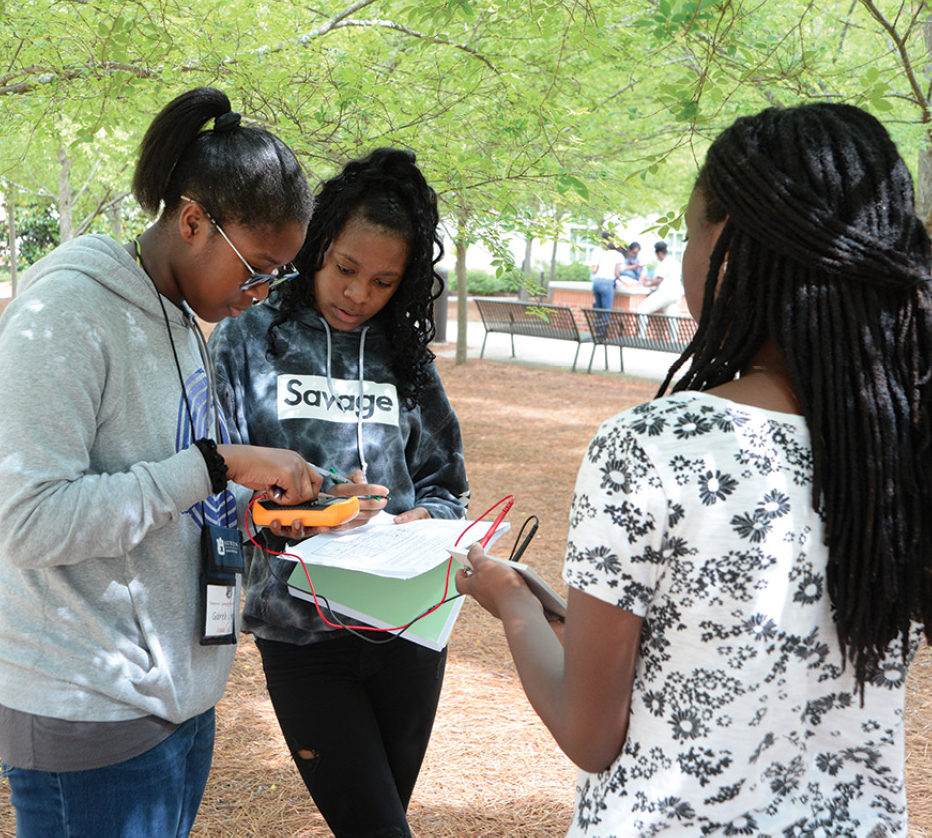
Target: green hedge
x,y
485,283
574,272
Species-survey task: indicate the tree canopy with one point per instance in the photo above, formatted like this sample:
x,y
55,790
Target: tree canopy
x,y
527,113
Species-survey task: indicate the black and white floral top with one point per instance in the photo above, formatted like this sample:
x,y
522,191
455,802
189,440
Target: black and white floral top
x,y
695,513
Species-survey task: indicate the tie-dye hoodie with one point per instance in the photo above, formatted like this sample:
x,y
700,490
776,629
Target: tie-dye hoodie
x,y
308,398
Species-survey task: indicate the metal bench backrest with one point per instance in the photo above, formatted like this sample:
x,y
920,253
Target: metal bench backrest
x,y
534,319
640,331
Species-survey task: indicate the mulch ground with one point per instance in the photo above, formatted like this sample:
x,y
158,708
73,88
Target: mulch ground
x,y
491,769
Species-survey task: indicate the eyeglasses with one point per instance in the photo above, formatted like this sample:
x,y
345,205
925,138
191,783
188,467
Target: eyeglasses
x,y
280,275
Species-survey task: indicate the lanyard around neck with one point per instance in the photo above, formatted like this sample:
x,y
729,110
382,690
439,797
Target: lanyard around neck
x,y
171,339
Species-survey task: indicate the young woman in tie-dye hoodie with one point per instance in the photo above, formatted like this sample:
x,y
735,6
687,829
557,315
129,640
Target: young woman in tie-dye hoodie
x,y
336,365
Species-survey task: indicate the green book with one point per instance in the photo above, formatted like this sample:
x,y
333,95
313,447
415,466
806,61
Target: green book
x,y
385,602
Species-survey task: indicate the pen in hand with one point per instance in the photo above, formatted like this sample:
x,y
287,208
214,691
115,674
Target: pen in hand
x,y
330,473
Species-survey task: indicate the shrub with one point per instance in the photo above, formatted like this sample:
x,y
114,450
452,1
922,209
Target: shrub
x,y
486,284
573,272
481,283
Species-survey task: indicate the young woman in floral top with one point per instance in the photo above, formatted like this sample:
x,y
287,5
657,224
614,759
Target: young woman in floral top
x,y
748,557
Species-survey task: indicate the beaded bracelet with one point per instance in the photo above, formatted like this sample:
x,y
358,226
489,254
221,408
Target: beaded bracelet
x,y
216,467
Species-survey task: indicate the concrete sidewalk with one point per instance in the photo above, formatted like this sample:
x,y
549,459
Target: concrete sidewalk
x,y
549,352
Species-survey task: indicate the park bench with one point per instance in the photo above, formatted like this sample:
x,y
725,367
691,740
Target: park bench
x,y
538,320
637,331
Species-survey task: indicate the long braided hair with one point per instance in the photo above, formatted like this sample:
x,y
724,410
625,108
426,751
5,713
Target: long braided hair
x,y
387,189
823,255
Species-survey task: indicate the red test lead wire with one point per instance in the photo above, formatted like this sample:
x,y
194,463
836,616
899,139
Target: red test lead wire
x,y
509,501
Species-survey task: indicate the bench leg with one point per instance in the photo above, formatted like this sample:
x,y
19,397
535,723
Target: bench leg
x,y
512,345
482,353
576,356
592,356
621,359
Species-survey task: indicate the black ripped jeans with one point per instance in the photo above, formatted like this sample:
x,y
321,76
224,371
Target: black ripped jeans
x,y
357,719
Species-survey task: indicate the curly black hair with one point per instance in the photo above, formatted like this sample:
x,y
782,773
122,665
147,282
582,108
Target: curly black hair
x,y
387,189
821,252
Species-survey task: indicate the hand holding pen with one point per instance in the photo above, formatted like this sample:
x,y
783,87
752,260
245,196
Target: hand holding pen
x,y
332,474
372,496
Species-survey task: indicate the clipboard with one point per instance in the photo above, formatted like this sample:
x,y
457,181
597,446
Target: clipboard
x,y
553,603
384,602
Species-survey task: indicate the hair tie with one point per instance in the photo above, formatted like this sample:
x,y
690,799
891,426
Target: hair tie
x,y
228,121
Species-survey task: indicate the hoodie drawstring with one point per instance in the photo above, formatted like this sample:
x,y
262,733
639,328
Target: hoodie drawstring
x,y
362,389
362,392
212,403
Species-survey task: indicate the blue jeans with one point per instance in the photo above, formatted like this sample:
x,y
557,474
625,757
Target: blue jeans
x,y
604,292
154,795
357,719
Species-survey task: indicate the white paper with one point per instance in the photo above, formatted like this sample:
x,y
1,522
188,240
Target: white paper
x,y
388,549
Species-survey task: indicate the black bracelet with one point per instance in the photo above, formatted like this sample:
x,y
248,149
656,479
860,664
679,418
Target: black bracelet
x,y
216,467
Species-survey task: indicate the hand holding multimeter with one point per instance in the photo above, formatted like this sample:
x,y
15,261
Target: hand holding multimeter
x,y
351,500
324,511
372,497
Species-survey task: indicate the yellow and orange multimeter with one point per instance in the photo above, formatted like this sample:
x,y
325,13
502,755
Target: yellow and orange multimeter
x,y
327,511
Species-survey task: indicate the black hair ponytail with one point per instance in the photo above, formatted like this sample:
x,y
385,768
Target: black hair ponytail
x,y
242,174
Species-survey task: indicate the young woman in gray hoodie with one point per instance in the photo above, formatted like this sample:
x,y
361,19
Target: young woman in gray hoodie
x,y
118,544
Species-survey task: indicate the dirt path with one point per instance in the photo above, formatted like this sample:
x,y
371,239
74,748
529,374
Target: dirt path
x,y
492,769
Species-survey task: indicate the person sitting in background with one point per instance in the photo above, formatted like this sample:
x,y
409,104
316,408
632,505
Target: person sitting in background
x,y
668,287
634,269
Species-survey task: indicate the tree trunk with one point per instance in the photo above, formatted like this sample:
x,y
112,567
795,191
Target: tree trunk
x,y
462,312
65,198
11,230
924,170
524,289
924,187
115,216
558,217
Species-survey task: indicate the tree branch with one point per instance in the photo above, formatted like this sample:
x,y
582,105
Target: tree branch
x,y
900,43
433,39
107,201
47,75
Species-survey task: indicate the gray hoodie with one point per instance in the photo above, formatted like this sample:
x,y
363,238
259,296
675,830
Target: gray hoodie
x,y
102,497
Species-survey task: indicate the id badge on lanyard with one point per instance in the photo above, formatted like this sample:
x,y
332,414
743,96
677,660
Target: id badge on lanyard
x,y
221,561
